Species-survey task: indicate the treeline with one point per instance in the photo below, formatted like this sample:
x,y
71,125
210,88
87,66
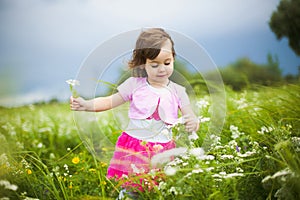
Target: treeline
x,y
243,74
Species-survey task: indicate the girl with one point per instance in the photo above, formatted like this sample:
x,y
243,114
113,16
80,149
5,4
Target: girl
x,y
154,103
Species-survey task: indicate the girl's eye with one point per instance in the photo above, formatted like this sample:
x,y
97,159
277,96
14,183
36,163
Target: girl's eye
x,y
154,65
167,63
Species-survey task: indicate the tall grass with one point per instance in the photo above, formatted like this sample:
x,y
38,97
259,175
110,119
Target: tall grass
x,y
255,157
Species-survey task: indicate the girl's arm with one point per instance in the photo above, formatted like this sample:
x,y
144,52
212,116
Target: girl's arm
x,y
190,119
97,104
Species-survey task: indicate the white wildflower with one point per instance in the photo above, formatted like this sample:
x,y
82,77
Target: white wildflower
x,y
40,145
265,129
283,172
73,82
167,155
235,132
206,157
193,136
266,179
209,169
197,171
203,119
162,185
224,157
137,170
197,152
170,171
8,185
173,190
202,104
233,175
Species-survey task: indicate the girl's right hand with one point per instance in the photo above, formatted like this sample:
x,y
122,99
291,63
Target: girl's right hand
x,y
78,104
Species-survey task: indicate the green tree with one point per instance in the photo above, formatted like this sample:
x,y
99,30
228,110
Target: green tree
x,y
285,22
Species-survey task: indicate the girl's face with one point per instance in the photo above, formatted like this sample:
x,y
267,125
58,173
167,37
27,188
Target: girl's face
x,y
161,68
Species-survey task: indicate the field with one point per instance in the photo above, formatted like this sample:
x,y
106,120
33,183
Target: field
x,y
45,155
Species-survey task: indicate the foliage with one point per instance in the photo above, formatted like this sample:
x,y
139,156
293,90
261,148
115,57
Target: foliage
x,y
285,22
255,157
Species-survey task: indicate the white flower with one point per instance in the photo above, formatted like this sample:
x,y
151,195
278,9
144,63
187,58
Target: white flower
x,y
204,119
137,170
173,190
202,104
73,82
170,171
40,145
197,171
197,152
167,155
223,157
233,175
235,132
8,185
193,136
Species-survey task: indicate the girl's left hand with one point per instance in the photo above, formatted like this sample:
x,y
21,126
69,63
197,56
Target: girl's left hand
x,y
191,123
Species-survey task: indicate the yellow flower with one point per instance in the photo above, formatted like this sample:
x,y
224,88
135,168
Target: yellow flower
x,y
104,149
75,160
103,183
103,164
28,171
92,170
71,185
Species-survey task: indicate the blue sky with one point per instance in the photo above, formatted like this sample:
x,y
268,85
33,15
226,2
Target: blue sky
x,y
43,43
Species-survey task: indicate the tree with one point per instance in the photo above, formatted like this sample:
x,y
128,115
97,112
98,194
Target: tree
x,y
285,22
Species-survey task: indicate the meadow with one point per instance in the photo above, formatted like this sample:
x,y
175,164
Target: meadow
x,y
256,156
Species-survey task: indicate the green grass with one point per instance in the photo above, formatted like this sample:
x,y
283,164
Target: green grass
x,y
50,153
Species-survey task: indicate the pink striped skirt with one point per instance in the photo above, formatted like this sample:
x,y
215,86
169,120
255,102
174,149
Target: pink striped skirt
x,y
133,156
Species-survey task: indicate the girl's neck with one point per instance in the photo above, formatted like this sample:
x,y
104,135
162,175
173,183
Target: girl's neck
x,y
158,85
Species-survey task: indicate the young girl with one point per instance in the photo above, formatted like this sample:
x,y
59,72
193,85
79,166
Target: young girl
x,y
154,104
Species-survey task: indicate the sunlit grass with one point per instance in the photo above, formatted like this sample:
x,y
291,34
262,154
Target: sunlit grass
x,y
255,157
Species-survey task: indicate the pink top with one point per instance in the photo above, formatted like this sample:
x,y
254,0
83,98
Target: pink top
x,y
145,99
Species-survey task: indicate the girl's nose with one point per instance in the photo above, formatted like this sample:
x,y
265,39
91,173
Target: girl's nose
x,y
162,68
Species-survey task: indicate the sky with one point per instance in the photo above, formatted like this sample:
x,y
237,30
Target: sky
x,y
43,43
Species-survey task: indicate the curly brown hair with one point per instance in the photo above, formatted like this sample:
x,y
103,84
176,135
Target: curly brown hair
x,y
148,46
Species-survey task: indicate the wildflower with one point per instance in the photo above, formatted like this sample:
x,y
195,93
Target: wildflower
x,y
137,170
170,171
28,171
173,190
233,175
73,83
103,182
71,185
223,157
193,136
202,104
75,160
197,171
264,130
8,185
103,164
203,119
167,155
196,152
104,149
235,132
40,145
